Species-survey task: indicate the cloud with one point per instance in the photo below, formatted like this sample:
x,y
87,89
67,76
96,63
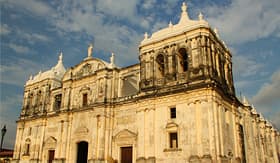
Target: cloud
x,y
32,37
119,9
108,35
245,20
245,66
269,93
13,73
19,48
37,8
4,29
148,4
267,98
168,6
9,101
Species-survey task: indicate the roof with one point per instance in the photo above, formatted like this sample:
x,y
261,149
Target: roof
x,y
55,72
184,24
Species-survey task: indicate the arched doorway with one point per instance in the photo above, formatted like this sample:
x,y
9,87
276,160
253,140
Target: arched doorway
x,y
82,152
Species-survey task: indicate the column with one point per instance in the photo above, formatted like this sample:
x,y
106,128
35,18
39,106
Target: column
x,y
141,135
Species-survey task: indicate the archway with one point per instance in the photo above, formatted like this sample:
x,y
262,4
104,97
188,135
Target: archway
x,y
160,65
183,59
82,152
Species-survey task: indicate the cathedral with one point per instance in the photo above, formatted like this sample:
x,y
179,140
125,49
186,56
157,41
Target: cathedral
x,y
177,105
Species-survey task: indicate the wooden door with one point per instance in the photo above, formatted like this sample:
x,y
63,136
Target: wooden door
x,y
51,156
126,154
82,153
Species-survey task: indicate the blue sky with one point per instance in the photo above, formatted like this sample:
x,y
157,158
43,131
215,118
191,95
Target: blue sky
x,y
34,32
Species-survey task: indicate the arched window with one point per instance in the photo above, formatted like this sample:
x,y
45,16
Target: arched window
x,y
172,142
27,147
57,101
160,64
183,59
85,99
31,97
40,96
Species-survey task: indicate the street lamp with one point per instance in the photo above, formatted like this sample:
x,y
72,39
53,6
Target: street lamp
x,y
3,132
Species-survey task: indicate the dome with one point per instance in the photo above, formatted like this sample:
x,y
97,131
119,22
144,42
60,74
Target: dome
x,y
55,72
184,24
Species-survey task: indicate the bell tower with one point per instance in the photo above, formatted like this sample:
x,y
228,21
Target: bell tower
x,y
183,56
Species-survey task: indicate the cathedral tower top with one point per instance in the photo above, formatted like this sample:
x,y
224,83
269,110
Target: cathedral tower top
x,y
185,24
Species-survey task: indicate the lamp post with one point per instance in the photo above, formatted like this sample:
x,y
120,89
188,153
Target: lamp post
x,y
3,132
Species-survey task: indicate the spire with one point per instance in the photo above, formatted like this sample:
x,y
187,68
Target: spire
x,y
184,15
59,67
170,24
200,16
254,111
245,101
60,57
146,35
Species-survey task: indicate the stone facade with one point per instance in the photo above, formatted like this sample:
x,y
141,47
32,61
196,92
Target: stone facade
x,y
177,105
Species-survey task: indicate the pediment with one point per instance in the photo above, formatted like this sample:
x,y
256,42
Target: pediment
x,y
50,142
81,130
88,67
171,125
124,134
84,89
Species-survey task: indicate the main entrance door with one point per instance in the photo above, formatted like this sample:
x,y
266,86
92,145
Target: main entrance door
x,y
126,154
82,153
